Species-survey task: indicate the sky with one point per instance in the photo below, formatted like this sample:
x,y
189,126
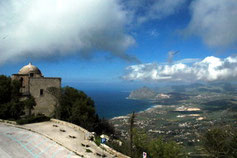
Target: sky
x,y
121,43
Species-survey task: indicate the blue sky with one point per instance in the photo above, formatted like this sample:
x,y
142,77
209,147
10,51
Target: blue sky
x,y
95,43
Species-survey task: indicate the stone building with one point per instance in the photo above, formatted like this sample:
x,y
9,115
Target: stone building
x,y
35,84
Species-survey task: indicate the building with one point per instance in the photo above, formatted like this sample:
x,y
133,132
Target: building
x,y
35,84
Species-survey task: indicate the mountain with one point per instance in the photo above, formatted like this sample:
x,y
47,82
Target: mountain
x,y
142,93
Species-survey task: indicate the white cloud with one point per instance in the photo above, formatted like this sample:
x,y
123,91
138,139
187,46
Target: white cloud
x,y
150,10
154,33
214,21
164,8
46,28
188,60
209,69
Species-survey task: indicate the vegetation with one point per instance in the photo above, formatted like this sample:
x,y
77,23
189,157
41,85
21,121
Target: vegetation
x,y
124,148
76,107
155,148
10,105
88,151
30,104
140,142
97,140
33,119
162,149
221,142
131,122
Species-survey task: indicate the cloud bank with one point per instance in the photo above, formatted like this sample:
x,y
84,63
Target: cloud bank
x,y
145,10
214,21
209,69
46,28
162,8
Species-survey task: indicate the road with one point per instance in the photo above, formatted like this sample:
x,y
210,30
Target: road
x,y
20,143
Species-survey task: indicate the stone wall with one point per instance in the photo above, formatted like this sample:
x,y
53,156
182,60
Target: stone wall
x,y
24,79
39,90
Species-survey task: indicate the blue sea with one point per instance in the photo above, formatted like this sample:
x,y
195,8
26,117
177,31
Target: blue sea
x,y
113,103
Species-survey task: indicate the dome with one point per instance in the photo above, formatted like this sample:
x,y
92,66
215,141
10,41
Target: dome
x,y
30,69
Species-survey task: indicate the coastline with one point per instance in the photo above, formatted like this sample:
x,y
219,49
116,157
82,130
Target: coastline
x,y
142,111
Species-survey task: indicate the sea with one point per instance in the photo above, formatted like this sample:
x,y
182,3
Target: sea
x,y
114,103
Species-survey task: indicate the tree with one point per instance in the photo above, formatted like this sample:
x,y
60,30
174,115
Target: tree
x,y
140,142
103,126
158,148
83,113
15,90
154,147
30,104
5,89
131,123
68,97
16,109
220,142
76,107
10,105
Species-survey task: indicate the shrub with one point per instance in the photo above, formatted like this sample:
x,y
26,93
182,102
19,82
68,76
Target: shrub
x,y
88,151
220,142
97,140
33,119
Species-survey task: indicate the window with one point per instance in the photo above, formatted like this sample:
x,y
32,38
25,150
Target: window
x,y
31,74
22,83
41,92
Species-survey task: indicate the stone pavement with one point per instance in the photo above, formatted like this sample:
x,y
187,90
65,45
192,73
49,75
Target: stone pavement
x,y
70,138
21,143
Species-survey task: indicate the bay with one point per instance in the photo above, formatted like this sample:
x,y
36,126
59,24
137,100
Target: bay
x,y
113,103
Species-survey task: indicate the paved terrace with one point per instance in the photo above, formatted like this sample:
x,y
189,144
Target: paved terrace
x,y
51,139
69,137
20,143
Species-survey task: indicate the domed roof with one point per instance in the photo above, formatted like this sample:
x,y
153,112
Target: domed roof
x,y
28,69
